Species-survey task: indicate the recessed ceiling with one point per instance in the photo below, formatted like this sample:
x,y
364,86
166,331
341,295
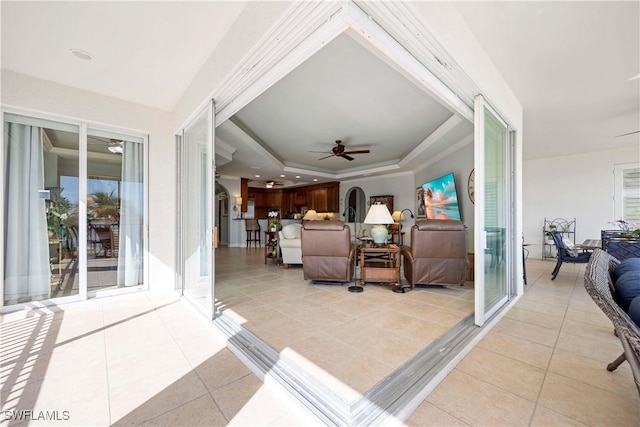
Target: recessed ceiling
x,y
343,92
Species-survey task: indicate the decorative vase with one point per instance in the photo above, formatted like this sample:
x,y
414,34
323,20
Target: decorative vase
x,y
379,234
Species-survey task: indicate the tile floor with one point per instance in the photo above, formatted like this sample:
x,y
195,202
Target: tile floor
x,y
328,330
149,359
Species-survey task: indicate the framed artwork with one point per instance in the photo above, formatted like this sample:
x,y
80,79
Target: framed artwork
x,y
385,200
225,207
421,211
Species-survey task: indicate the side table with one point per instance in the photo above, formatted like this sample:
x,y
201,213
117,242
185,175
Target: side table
x,y
271,247
380,264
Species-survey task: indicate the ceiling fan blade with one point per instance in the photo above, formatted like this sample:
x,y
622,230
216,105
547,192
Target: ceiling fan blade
x,y
346,157
625,134
321,152
326,157
357,152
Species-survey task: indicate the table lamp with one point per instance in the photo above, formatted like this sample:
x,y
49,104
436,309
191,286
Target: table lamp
x,y
311,215
239,206
379,216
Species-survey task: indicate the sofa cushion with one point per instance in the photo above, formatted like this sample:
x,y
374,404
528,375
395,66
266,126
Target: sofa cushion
x,y
634,310
629,264
291,231
290,243
627,287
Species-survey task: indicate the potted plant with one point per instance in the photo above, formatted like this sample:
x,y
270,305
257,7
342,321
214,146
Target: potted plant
x,y
273,220
548,236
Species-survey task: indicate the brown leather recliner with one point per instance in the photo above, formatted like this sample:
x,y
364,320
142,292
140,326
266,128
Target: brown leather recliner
x,y
327,251
438,253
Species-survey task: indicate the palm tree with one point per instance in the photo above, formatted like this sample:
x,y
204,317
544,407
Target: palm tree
x,y
104,205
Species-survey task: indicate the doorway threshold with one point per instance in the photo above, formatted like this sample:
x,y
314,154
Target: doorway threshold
x,y
390,400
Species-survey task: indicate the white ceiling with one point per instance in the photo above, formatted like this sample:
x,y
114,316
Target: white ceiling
x,y
146,52
574,66
571,64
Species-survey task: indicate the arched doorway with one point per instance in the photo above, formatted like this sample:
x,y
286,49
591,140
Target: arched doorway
x,y
356,205
221,220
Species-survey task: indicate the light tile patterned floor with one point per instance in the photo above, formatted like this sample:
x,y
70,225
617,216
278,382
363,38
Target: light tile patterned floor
x,y
150,359
543,364
327,327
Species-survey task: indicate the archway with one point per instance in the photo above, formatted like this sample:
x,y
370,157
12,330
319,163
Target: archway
x,y
221,220
355,205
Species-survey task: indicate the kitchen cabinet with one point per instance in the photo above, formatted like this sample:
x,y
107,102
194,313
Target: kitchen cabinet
x,y
318,199
273,199
323,197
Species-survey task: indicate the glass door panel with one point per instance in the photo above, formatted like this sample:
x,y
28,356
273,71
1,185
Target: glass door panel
x,y
115,211
197,211
492,215
41,210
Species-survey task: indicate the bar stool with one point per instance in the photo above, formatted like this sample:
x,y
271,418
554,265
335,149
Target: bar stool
x,y
252,228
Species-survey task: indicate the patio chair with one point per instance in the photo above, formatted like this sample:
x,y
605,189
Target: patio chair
x,y
566,254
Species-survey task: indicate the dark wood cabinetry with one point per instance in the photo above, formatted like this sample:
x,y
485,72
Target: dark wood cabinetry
x,y
318,198
323,197
299,197
273,199
244,193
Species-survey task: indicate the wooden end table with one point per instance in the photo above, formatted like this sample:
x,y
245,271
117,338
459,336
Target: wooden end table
x,y
380,263
271,247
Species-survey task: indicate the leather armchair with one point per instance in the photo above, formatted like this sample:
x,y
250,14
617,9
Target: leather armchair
x,y
438,253
327,251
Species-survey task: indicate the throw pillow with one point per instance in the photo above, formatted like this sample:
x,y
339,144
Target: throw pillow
x,y
569,247
634,310
629,264
627,287
291,231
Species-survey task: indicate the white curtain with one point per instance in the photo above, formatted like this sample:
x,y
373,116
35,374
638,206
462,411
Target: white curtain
x,y
130,252
26,246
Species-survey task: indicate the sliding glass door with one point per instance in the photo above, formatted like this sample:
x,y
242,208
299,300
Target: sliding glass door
x,y
493,215
196,211
74,209
115,211
40,216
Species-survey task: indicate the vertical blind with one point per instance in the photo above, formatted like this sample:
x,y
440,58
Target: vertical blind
x,y
631,194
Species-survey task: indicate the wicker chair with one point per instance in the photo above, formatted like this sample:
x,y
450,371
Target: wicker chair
x,y
597,282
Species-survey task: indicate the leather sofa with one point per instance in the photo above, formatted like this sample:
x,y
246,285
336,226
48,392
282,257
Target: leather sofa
x,y
327,252
290,244
437,254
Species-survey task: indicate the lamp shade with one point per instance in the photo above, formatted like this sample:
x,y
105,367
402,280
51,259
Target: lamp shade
x,y
311,215
397,216
378,214
238,200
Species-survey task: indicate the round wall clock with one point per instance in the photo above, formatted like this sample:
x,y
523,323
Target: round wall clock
x,y
471,186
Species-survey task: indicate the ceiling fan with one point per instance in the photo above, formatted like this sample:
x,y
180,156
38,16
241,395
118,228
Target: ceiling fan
x,y
271,183
339,151
113,145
